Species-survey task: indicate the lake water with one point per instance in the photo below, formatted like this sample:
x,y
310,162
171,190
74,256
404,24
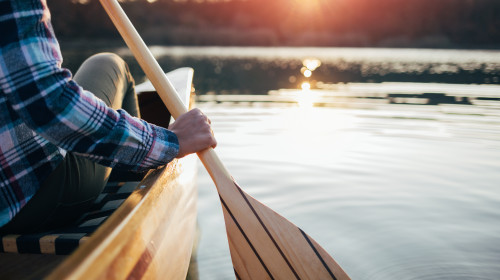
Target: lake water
x,y
390,191
396,180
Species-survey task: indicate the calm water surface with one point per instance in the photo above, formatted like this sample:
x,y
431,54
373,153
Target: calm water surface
x,y
390,191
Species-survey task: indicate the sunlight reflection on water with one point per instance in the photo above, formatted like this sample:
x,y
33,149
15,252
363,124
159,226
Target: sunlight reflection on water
x,y
395,192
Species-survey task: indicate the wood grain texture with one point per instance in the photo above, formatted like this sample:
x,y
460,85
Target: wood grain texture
x,y
263,244
150,236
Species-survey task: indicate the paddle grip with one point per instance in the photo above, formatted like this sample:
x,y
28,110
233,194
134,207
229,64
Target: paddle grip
x,y
163,86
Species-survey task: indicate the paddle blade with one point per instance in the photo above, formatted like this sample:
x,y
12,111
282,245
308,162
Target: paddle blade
x,y
264,245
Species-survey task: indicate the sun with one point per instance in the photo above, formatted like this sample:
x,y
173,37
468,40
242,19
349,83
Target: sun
x,y
308,5
308,13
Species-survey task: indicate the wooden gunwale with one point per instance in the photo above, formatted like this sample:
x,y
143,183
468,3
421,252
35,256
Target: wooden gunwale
x,y
133,236
151,235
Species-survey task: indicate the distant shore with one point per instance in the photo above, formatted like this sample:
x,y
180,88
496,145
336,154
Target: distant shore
x,y
82,43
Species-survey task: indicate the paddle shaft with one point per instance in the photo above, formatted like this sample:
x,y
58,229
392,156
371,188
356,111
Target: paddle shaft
x,y
155,74
263,244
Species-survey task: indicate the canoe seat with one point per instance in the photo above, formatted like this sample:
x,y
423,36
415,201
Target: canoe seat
x,y
65,240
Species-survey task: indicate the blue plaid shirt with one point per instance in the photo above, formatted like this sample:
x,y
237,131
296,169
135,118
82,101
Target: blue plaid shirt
x,y
44,113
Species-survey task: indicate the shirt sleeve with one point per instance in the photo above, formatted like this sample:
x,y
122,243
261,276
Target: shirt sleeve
x,y
45,97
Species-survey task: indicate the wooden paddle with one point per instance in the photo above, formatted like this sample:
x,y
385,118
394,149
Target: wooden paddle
x,y
263,244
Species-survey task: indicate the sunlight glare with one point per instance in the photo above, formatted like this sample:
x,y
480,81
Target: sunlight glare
x,y
306,86
308,7
305,98
311,63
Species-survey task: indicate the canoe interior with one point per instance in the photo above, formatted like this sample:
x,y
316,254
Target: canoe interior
x,y
151,235
28,266
152,107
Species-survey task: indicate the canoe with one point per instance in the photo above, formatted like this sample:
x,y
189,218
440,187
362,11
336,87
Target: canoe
x,y
150,235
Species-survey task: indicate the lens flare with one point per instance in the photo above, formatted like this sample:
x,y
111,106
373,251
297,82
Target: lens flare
x,y
311,63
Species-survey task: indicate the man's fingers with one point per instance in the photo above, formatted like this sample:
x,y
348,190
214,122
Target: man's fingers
x,y
194,131
214,141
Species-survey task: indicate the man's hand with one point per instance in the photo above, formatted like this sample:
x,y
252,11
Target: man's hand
x,y
194,132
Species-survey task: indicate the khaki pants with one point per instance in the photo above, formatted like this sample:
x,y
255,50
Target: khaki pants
x,y
70,190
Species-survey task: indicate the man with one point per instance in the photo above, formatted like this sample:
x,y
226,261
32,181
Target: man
x,y
60,136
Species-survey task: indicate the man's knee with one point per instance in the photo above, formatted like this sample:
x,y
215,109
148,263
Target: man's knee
x,y
107,76
109,60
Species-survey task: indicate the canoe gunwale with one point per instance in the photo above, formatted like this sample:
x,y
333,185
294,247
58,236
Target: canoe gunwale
x,y
125,245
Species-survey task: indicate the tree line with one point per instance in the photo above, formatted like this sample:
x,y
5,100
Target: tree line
x,y
356,23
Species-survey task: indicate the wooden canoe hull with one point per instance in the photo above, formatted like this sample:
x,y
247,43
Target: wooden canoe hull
x,y
151,235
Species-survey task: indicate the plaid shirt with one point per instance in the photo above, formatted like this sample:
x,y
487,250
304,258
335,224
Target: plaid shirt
x,y
44,113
